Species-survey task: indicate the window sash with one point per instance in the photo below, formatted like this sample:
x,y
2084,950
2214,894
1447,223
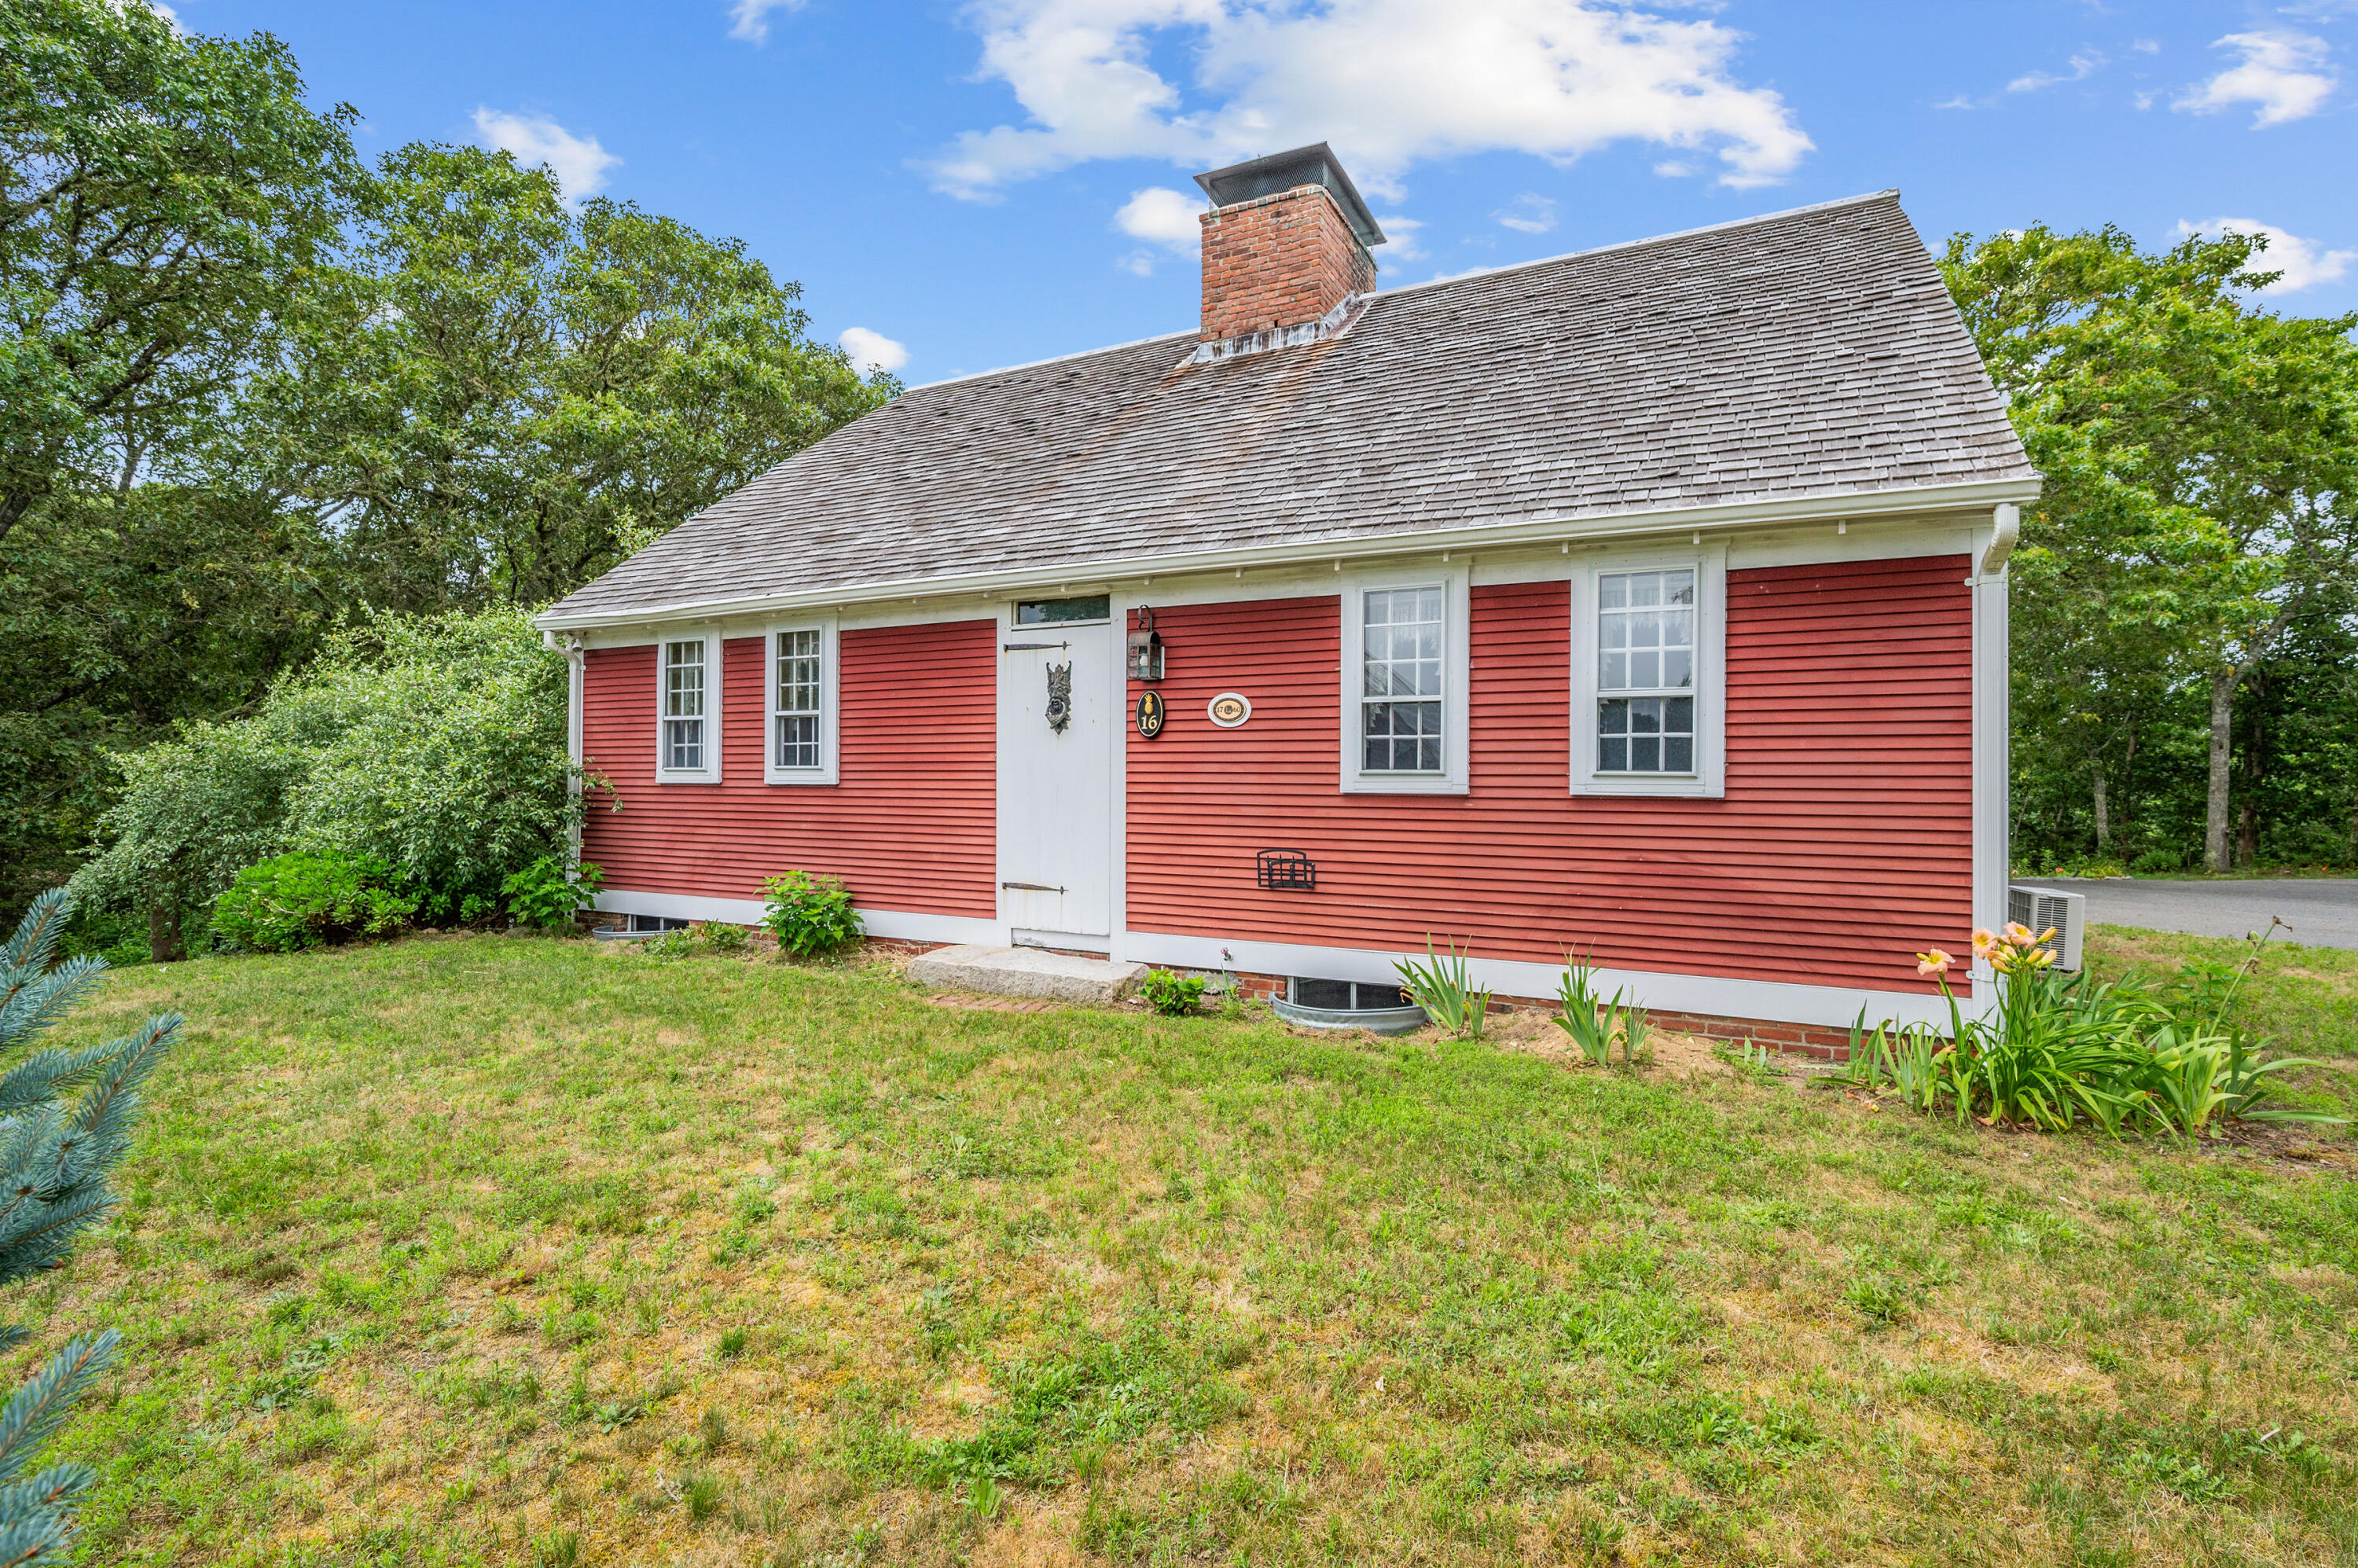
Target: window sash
x,y
796,719
683,705
1402,671
1647,651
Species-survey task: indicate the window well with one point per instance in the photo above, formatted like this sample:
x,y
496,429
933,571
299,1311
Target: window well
x,y
1316,1003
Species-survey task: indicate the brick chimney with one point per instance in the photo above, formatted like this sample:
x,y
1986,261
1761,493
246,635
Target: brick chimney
x,y
1285,252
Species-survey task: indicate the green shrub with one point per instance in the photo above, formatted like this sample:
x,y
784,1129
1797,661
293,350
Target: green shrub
x,y
292,902
546,896
435,744
810,916
1171,995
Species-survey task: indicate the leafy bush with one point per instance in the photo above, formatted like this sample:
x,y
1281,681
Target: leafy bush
x,y
810,915
292,902
546,896
2059,1050
1443,986
436,744
1171,995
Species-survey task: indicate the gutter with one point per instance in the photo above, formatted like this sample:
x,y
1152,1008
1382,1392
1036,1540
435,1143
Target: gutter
x,y
1538,528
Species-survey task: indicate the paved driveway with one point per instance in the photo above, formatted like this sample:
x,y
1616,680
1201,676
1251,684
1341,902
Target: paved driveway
x,y
2322,911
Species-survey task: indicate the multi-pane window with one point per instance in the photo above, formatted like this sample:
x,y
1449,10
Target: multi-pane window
x,y
1645,674
797,717
683,705
1400,703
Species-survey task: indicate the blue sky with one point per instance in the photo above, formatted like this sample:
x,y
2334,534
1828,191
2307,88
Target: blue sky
x,y
966,186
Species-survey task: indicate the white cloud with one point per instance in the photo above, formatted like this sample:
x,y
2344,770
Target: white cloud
x,y
578,162
1529,214
2083,66
2301,261
749,19
1401,242
1959,102
873,352
2285,73
1390,82
2147,46
1163,217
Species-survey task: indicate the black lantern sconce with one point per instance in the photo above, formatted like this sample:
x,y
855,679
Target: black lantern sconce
x,y
1145,646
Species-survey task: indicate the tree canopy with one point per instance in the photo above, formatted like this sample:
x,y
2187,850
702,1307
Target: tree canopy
x,y
2200,457
251,391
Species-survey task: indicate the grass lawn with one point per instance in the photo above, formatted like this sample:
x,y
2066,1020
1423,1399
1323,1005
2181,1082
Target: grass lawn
x,y
483,1249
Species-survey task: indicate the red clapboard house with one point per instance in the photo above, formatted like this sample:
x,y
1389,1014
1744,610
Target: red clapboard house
x,y
1645,603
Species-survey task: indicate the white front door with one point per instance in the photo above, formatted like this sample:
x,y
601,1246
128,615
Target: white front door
x,y
1056,783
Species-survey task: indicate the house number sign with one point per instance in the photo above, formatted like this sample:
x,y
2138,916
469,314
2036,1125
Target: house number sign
x,y
1149,714
1229,710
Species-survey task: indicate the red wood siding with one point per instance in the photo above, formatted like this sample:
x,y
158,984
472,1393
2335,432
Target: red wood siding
x,y
913,825
1843,846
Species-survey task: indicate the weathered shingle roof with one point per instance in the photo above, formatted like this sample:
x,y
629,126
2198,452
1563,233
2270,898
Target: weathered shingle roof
x,y
1814,353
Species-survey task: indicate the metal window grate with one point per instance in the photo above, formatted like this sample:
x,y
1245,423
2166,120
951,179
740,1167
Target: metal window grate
x,y
1287,870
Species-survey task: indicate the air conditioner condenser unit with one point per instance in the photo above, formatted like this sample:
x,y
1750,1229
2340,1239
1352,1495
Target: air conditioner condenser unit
x,y
2039,908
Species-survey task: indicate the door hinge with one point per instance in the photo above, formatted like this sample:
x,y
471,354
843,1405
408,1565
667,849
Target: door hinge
x,y
1017,648
1030,887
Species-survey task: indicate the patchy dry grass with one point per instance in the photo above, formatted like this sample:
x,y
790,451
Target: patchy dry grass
x,y
514,1251
2305,997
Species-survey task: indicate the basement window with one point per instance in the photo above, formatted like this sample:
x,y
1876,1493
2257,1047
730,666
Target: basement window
x,y
1343,996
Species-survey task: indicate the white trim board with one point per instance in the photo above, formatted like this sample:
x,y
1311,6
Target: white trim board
x,y
1710,996
901,925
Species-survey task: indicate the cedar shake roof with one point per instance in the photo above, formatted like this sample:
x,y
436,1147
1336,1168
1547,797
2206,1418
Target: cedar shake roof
x,y
1811,353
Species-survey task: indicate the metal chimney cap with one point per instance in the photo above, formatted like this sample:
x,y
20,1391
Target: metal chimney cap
x,y
1313,165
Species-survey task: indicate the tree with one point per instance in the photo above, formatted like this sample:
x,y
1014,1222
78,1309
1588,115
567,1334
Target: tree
x,y
162,200
497,398
65,1126
161,197
2200,460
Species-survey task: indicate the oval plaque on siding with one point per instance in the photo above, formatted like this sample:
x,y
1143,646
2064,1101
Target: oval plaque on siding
x,y
1229,709
1149,714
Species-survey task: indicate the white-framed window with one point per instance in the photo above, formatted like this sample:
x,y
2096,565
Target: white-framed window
x,y
800,703
1404,685
688,708
1649,641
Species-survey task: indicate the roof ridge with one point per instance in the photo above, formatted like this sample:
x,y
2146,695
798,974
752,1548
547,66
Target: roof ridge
x,y
1891,194
1859,201
1035,364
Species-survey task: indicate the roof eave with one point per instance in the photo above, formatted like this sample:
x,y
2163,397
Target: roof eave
x,y
1541,528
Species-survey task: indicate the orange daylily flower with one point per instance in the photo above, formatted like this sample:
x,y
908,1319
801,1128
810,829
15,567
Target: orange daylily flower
x,y
1934,963
1985,942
